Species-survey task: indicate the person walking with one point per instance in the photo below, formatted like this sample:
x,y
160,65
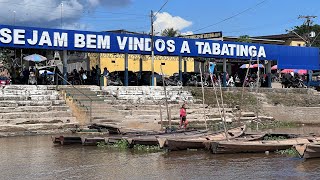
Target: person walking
x,y
183,117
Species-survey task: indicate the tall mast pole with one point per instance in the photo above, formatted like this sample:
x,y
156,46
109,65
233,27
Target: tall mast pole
x,y
152,50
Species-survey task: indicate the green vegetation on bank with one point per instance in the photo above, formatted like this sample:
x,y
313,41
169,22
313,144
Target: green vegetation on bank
x,y
293,99
124,145
231,99
288,152
273,124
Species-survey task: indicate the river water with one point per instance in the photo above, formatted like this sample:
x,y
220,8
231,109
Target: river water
x,y
36,157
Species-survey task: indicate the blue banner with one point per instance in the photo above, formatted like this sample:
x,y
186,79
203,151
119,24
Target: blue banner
x,y
106,42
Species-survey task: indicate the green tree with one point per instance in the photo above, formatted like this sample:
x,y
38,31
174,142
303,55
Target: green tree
x,y
244,38
170,32
304,31
6,60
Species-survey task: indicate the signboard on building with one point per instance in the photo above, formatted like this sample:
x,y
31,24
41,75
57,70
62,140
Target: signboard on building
x,y
211,35
106,42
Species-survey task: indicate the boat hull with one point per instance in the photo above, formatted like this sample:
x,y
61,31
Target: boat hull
x,y
312,151
230,147
198,141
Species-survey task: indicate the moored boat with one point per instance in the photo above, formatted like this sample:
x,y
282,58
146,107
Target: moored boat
x,y
309,151
198,141
92,141
235,146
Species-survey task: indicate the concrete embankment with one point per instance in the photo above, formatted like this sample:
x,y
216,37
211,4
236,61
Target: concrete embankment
x,y
29,110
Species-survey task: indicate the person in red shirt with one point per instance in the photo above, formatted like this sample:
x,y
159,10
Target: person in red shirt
x,y
183,117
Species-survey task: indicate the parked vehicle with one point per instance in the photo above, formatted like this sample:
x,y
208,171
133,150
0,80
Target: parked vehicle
x,y
195,80
114,80
4,81
132,77
145,78
173,80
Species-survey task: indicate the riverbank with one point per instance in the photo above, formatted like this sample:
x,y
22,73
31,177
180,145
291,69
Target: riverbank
x,y
300,106
32,110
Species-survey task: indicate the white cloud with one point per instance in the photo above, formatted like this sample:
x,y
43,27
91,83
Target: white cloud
x,y
165,20
47,13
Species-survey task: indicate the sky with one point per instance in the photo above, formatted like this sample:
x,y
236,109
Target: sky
x,y
232,17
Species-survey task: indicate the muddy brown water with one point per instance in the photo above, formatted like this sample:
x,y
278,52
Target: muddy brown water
x,y
36,157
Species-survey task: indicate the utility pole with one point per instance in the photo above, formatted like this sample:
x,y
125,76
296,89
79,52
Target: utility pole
x,y
61,15
152,50
308,22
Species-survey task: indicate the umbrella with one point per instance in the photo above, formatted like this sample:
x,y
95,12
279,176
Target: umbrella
x,y
245,66
256,65
275,67
287,71
35,58
301,71
48,72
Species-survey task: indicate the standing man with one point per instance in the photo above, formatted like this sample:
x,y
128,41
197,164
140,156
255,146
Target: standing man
x,y
106,74
98,74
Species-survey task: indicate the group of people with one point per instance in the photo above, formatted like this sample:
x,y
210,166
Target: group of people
x,y
293,80
91,77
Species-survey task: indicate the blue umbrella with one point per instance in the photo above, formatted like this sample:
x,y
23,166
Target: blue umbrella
x,y
35,58
48,72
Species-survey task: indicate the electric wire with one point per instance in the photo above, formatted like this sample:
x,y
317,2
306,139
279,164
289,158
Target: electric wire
x,y
233,16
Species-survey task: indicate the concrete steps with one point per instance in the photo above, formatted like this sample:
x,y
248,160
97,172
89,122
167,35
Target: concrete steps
x,y
33,109
50,120
27,107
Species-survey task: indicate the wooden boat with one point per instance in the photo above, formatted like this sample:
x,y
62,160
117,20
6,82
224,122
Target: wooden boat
x,y
198,141
308,151
236,146
152,140
66,140
263,135
92,141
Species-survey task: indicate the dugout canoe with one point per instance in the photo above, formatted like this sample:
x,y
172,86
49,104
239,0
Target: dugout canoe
x,y
308,151
198,141
236,146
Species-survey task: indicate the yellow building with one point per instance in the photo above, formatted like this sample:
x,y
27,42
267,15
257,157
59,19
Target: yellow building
x,y
116,62
170,64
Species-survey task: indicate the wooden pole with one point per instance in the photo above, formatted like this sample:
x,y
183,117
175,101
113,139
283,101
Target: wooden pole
x,y
169,116
204,111
166,99
257,90
161,116
219,109
223,110
242,92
